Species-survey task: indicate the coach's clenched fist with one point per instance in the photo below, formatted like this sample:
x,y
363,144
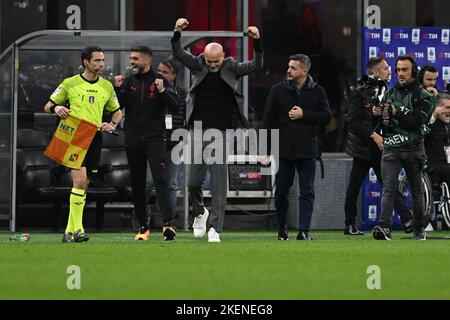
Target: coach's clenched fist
x,y
181,24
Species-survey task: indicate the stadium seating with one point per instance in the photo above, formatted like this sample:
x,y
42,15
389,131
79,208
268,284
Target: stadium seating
x,y
35,182
40,180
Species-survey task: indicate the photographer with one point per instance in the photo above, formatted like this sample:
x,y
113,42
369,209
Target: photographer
x,y
406,111
365,143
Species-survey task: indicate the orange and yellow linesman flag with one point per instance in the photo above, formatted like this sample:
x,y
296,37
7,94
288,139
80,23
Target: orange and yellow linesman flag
x,y
71,141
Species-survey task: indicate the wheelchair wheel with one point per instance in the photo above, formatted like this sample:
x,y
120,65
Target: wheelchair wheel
x,y
428,199
445,204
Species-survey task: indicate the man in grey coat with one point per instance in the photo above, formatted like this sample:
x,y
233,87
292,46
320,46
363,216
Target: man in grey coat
x,y
214,102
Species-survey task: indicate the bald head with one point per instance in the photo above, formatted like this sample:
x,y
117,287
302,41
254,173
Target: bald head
x,y
214,56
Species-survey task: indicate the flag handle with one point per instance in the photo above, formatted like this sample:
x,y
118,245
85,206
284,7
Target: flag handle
x,y
114,133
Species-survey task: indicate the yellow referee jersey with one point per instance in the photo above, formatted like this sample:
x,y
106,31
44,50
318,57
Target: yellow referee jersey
x,y
87,98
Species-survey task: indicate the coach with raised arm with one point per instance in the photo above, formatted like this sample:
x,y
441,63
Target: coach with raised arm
x,y
216,102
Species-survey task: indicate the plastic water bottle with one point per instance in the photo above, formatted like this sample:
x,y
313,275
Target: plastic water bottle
x,y
21,237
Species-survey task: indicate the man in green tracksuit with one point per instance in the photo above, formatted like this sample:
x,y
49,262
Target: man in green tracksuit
x,y
406,111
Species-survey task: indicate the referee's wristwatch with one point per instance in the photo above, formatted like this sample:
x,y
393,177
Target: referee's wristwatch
x,y
113,124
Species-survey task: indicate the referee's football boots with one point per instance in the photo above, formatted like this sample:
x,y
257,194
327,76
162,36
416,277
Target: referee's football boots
x,y
67,237
80,236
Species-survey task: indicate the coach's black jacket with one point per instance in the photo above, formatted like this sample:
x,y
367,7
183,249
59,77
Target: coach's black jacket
x,y
298,138
145,108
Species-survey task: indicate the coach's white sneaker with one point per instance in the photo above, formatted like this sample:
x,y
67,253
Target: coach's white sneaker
x,y
213,235
199,224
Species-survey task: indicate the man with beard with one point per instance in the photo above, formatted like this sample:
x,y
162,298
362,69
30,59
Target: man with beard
x,y
145,98
428,76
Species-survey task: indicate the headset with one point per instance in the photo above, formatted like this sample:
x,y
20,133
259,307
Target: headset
x,y
424,69
415,67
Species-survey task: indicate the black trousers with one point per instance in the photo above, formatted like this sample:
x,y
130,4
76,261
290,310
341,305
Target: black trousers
x,y
359,172
138,156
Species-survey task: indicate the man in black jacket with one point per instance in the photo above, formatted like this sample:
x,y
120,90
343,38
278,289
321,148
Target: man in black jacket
x,y
437,143
215,101
297,107
146,98
365,143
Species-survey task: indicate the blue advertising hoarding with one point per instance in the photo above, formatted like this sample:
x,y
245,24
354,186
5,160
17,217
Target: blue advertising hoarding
x,y
426,44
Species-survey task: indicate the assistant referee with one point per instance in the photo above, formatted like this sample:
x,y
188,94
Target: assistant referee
x,y
88,94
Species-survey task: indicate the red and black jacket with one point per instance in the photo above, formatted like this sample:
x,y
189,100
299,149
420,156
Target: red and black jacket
x,y
145,108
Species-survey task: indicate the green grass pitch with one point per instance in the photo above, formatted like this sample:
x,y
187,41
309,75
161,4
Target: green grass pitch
x,y
246,265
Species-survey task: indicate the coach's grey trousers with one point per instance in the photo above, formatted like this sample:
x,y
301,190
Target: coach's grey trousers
x,y
210,154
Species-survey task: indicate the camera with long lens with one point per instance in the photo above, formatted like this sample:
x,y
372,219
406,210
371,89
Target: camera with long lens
x,y
371,81
372,88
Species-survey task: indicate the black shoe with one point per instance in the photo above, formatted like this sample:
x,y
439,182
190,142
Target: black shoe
x,y
304,235
283,235
408,226
80,236
67,237
169,232
419,234
380,233
352,230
